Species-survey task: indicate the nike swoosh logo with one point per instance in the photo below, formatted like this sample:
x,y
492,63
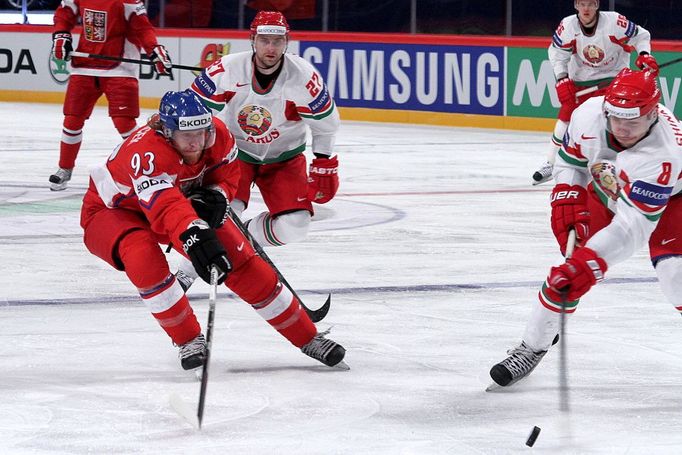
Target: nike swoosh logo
x,y
243,85
666,241
240,247
583,137
301,199
122,107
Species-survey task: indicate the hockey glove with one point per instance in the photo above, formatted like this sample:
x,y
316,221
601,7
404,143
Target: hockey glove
x,y
577,275
210,205
566,90
569,210
205,250
161,59
323,179
61,45
646,60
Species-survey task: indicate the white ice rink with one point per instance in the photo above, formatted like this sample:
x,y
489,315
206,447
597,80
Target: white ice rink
x,y
434,250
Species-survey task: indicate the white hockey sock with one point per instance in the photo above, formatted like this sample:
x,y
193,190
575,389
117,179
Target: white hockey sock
x,y
557,137
287,228
542,327
669,273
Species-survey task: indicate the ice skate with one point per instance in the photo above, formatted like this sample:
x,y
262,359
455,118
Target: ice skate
x,y
59,179
326,351
193,353
521,361
543,174
184,280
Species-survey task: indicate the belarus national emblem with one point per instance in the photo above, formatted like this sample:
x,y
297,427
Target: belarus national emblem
x,y
593,54
254,120
604,176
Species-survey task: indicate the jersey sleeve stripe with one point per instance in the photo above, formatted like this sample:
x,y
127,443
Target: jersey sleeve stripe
x,y
631,29
574,159
306,113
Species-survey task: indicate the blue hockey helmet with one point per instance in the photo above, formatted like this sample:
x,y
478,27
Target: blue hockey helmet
x,y
183,111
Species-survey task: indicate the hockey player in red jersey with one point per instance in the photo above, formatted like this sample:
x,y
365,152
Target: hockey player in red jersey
x,y
618,185
149,191
117,28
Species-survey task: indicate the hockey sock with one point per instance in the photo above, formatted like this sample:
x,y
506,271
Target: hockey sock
x,y
146,267
256,283
72,135
124,125
178,321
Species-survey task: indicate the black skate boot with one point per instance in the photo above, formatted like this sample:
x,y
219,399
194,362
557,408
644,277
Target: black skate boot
x,y
521,361
544,174
59,179
193,353
326,351
184,280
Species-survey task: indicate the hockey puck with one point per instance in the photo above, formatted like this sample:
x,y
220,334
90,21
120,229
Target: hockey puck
x,y
533,436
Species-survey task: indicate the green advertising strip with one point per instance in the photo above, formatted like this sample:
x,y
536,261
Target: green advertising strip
x,y
530,83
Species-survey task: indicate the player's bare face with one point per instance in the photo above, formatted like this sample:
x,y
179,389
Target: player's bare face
x,y
269,50
629,131
587,12
190,144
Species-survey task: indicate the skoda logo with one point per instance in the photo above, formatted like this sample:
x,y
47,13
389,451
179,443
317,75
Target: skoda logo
x,y
59,70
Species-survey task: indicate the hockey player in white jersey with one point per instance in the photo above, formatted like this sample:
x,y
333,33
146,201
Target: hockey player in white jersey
x,y
617,184
269,98
588,49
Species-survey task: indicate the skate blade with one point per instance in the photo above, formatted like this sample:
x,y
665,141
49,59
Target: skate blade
x,y
198,373
494,387
342,366
184,410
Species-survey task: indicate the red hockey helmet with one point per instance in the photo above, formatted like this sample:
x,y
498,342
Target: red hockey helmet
x,y
269,23
632,94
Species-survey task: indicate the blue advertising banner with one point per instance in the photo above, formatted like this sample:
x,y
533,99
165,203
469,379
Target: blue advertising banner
x,y
446,78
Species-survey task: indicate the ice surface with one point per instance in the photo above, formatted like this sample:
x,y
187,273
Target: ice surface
x,y
434,251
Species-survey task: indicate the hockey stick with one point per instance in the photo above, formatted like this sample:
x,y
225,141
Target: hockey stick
x,y
209,336
315,315
177,403
594,88
130,60
563,367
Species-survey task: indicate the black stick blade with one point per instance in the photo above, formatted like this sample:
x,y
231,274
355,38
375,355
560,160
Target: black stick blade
x,y
320,313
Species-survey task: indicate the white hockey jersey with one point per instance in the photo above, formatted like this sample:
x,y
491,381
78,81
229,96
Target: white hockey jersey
x,y
590,59
648,174
269,123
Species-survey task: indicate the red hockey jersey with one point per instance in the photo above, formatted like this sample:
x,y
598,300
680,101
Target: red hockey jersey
x,y
146,174
118,28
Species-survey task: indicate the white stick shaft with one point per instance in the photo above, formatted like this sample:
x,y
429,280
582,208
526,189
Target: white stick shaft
x,y
586,91
570,243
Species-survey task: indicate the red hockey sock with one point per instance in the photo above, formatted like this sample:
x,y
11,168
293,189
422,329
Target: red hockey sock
x,y
285,314
256,283
179,322
72,135
124,125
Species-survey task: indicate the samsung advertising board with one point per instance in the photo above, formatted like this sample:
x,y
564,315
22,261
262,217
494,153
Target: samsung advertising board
x,y
454,79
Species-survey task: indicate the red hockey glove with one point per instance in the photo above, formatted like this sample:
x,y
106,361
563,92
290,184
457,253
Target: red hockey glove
x,y
61,45
569,210
323,179
578,274
161,59
646,60
566,90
